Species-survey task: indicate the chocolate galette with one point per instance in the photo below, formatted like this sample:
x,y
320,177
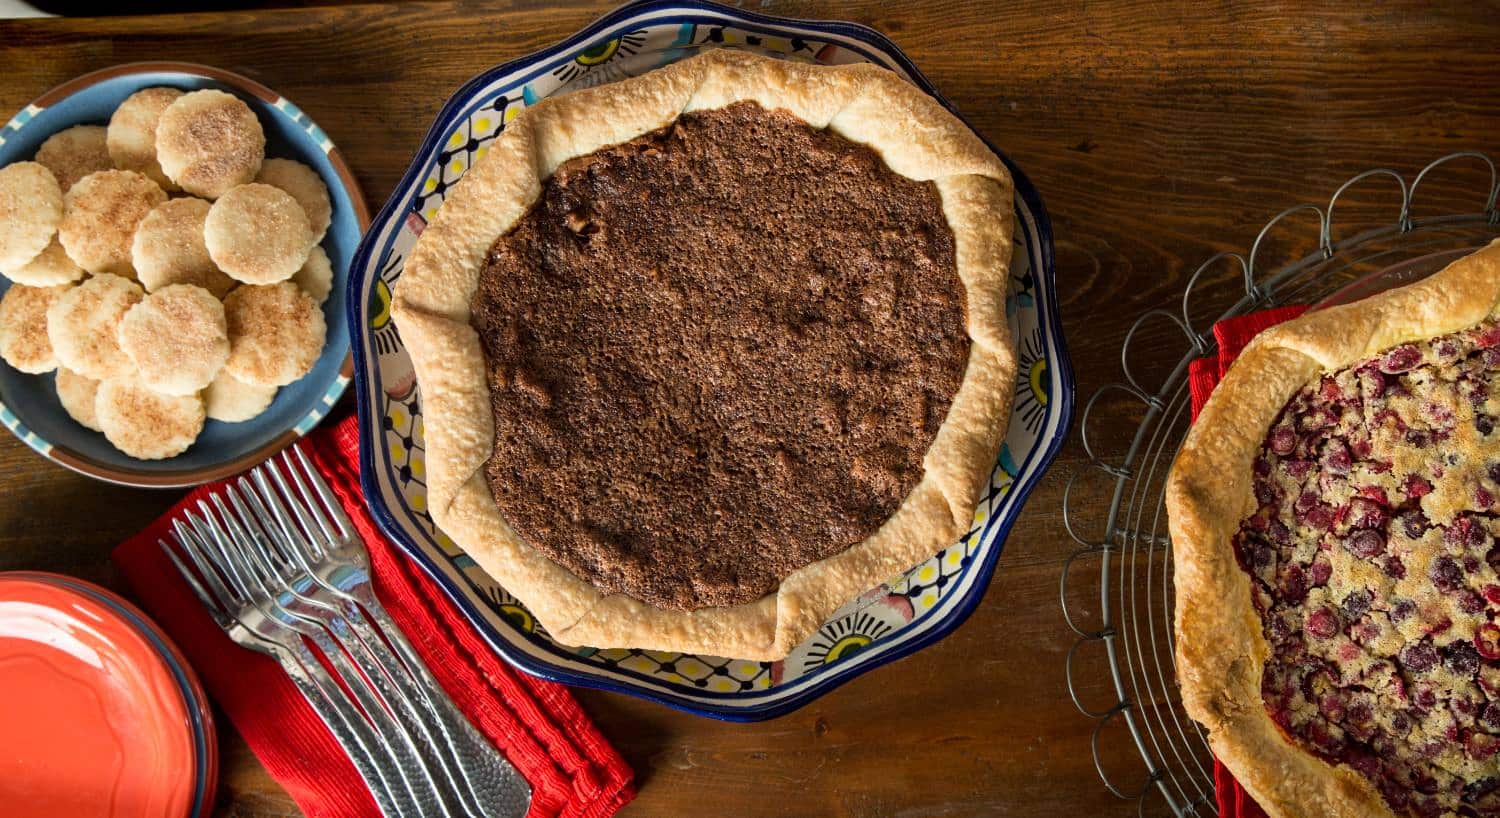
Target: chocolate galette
x,y
707,352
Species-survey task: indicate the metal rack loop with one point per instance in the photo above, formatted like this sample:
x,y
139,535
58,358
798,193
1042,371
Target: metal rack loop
x,y
1135,593
1103,635
1202,340
1255,291
1151,399
1152,777
1090,545
1403,220
1489,203
1062,594
1083,425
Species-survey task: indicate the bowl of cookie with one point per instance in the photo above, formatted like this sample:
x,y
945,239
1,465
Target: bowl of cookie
x,y
174,245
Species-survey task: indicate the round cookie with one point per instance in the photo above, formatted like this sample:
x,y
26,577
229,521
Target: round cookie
x,y
210,141
168,248
23,327
31,207
177,339
258,234
304,184
131,136
74,153
233,401
100,216
316,276
276,333
76,394
50,268
83,325
147,424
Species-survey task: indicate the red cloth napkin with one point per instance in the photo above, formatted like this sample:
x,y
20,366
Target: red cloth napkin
x,y
1203,375
573,770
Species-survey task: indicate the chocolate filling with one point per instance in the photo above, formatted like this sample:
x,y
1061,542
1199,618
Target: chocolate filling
x,y
717,353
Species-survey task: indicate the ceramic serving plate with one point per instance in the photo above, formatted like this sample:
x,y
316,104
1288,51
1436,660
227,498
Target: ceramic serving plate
x,y
140,739
910,610
28,403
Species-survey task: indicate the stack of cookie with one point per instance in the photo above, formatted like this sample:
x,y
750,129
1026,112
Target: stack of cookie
x,y
164,267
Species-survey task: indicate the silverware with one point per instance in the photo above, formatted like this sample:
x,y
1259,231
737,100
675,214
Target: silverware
x,y
323,547
300,568
228,601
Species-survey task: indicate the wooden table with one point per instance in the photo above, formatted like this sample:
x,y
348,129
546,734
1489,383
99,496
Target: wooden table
x,y
1157,136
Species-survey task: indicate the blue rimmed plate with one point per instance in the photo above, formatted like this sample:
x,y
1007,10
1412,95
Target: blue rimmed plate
x,y
908,611
28,403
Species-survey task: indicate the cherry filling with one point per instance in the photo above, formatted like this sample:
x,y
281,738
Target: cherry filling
x,y
1373,560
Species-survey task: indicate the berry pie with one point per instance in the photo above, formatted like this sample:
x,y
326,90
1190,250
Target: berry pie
x,y
1335,513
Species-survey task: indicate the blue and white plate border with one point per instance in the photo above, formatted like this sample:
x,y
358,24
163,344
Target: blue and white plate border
x,y
1034,231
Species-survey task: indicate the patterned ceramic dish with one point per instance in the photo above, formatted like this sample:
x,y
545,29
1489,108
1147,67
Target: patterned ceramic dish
x,y
28,403
909,611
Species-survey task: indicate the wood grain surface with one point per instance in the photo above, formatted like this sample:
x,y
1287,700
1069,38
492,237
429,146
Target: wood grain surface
x,y
1157,133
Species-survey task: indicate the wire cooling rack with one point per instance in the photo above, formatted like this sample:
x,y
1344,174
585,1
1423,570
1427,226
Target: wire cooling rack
x,y
1133,619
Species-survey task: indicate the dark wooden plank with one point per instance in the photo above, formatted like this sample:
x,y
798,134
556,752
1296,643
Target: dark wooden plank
x,y
1158,134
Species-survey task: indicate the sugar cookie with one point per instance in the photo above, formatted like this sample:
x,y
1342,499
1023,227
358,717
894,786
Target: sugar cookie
x,y
76,394
316,276
131,136
305,186
177,339
210,141
100,217
23,327
168,248
233,401
31,207
50,268
276,332
147,424
257,234
83,325
74,153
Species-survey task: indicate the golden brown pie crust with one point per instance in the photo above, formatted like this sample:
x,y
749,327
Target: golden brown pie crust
x,y
1221,649
915,136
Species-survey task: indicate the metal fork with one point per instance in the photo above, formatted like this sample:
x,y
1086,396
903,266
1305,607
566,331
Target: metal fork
x,y
226,598
325,554
247,553
295,562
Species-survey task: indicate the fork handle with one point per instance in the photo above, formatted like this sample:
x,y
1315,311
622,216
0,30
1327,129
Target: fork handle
x,y
498,789
384,783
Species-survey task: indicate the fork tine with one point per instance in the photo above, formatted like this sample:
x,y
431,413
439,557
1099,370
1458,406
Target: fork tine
x,y
282,534
209,530
304,551
213,605
270,503
320,487
210,534
234,563
265,575
309,511
246,530
196,539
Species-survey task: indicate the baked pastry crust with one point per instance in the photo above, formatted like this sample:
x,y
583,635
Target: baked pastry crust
x,y
431,305
1221,650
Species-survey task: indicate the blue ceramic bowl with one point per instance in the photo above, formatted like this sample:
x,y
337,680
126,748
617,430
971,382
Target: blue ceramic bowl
x,y
902,615
28,403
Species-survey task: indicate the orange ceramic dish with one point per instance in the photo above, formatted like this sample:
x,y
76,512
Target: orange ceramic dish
x,y
99,714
